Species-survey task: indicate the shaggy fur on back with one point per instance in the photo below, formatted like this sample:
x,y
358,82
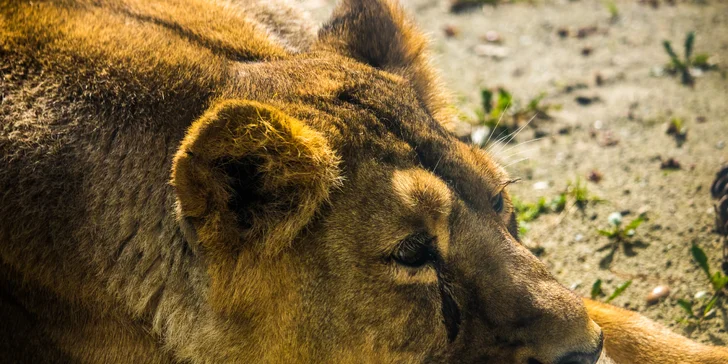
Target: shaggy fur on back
x,y
210,181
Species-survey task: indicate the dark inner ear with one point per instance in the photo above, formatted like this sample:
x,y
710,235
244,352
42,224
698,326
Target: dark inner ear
x,y
245,181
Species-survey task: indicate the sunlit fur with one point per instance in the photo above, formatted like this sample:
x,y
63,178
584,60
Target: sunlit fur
x,y
210,181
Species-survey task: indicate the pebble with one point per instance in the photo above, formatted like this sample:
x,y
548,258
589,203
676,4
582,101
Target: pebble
x,y
541,185
479,134
657,71
720,144
586,100
615,218
586,31
492,36
701,295
658,293
579,237
451,31
595,176
490,50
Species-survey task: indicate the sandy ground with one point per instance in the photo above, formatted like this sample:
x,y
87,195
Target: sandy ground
x,y
621,134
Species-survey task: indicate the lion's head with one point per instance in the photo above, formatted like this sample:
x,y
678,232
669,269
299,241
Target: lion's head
x,y
338,220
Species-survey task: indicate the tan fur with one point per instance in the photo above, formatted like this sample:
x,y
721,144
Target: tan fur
x,y
208,181
631,338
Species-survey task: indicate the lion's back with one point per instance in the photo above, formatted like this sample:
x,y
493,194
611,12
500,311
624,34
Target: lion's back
x,y
95,97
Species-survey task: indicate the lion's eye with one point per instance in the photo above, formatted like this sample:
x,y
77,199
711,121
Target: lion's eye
x,y
497,202
415,251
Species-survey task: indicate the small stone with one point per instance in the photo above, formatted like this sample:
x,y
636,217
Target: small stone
x,y
587,51
491,50
586,31
701,119
720,144
492,36
700,295
578,237
615,218
595,176
451,31
563,32
608,139
658,293
586,100
541,185
479,134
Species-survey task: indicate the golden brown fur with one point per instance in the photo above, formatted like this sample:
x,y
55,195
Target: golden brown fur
x,y
208,181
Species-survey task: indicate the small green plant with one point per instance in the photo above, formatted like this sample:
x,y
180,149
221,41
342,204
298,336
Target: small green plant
x,y
576,191
699,309
597,291
527,212
678,65
676,127
579,191
703,61
620,236
530,211
619,233
504,116
684,66
613,10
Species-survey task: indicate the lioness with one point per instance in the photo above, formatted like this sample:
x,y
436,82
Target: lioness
x,y
210,181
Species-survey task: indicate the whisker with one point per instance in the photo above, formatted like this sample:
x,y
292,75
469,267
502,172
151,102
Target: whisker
x,y
523,143
437,164
519,152
512,163
498,143
497,123
503,138
521,128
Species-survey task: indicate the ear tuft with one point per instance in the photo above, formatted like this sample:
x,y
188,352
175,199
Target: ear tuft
x,y
378,33
375,32
247,172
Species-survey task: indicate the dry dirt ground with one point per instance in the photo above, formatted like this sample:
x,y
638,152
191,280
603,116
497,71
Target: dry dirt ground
x,y
621,134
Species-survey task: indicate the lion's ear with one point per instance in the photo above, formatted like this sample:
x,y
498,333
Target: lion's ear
x,y
378,33
247,173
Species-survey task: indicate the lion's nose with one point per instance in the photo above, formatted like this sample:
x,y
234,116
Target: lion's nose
x,y
583,358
